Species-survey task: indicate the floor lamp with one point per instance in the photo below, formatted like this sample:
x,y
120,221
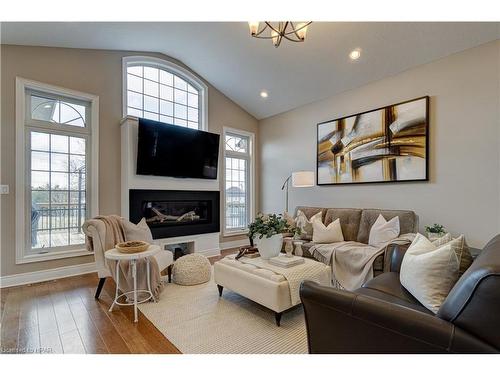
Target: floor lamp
x,y
299,179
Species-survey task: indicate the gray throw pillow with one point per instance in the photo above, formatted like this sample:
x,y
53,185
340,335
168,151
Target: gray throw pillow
x,y
139,232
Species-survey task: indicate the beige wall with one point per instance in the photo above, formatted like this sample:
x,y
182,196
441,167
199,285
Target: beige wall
x,y
96,72
464,189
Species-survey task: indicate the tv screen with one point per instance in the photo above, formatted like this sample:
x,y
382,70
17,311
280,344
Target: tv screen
x,y
171,150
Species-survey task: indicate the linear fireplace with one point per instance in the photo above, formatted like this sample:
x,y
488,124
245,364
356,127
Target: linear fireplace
x,y
175,213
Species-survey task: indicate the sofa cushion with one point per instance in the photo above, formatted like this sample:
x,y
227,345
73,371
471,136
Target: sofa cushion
x,y
311,211
408,221
349,221
387,287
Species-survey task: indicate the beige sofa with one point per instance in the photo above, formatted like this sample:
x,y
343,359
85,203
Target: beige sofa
x,y
356,224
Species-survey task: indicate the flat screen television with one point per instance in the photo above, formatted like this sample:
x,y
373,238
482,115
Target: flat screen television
x,y
176,151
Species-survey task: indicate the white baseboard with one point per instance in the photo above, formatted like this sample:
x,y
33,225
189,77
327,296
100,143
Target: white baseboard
x,y
80,269
209,252
233,244
45,275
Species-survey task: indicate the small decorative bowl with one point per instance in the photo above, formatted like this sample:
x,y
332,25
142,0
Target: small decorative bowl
x,y
131,247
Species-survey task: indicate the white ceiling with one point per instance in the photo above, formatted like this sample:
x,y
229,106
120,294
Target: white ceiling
x,y
294,74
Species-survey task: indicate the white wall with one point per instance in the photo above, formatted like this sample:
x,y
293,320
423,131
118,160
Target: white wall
x,y
463,193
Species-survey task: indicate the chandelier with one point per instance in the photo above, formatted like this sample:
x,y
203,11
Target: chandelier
x,y
276,31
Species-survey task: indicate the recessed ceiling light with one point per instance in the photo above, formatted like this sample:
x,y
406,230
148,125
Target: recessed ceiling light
x,y
264,94
47,106
355,54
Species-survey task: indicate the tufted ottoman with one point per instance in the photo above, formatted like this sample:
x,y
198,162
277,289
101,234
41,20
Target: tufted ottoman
x,y
264,286
191,269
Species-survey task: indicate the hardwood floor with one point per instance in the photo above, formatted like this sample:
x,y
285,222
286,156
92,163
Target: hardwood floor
x,y
62,316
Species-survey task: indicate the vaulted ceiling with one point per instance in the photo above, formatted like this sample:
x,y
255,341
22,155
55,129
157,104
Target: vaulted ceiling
x,y
293,74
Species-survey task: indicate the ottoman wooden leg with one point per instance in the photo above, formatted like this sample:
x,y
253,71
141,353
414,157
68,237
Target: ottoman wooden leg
x,y
220,287
277,316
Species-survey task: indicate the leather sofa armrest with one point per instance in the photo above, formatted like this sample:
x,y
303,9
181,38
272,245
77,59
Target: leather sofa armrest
x,y
393,257
339,321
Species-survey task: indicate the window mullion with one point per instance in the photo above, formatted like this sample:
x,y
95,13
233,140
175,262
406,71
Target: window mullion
x,y
236,154
68,193
49,188
180,83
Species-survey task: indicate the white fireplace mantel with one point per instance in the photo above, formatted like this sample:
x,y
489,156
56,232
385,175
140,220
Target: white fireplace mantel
x,y
208,243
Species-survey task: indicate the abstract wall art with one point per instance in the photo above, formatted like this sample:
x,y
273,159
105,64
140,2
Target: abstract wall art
x,y
388,144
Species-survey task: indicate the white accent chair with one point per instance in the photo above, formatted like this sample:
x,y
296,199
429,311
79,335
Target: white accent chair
x,y
96,229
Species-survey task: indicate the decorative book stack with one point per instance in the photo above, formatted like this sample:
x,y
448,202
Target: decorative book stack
x,y
285,261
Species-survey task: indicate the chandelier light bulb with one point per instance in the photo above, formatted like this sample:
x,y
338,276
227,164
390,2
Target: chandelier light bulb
x,y
355,54
264,94
254,27
302,30
275,38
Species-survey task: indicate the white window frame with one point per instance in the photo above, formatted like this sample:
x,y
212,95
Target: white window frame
x,y
175,69
22,173
250,177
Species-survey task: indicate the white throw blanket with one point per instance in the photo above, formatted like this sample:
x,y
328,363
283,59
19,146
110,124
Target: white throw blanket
x,y
309,270
352,262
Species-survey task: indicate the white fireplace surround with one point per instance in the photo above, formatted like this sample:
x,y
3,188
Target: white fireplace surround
x,y
206,244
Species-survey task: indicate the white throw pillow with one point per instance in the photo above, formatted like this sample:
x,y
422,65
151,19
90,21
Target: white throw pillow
x,y
305,224
383,231
429,272
327,234
139,232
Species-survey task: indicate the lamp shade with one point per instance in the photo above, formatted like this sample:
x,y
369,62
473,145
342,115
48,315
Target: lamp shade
x,y
303,179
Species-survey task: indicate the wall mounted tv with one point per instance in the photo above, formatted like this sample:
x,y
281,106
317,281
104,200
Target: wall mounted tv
x,y
175,151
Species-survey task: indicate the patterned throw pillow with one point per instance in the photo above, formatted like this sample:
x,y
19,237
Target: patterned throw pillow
x,y
305,225
462,251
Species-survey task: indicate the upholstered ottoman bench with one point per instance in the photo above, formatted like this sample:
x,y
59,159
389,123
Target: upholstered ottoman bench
x,y
271,286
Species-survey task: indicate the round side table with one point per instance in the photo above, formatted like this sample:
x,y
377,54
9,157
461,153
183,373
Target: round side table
x,y
114,254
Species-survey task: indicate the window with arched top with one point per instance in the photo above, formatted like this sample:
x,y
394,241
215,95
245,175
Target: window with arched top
x,y
163,91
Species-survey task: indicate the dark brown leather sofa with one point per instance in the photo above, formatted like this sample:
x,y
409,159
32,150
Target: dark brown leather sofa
x,y
382,317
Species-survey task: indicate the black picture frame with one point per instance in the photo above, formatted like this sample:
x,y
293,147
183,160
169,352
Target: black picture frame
x,y
427,143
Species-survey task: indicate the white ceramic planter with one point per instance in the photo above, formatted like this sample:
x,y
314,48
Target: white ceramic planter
x,y
269,247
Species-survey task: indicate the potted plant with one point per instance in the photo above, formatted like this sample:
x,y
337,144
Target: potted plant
x,y
267,233
435,231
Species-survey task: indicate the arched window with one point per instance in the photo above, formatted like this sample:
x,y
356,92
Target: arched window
x,y
163,91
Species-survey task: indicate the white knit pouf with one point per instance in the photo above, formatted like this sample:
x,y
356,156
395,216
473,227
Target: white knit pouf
x,y
191,269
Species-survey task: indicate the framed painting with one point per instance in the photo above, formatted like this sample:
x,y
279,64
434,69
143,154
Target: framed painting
x,y
389,144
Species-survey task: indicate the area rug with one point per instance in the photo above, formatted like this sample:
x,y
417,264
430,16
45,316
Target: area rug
x,y
197,321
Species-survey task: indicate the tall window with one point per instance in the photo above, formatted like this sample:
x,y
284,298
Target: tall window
x,y
238,167
57,137
161,91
